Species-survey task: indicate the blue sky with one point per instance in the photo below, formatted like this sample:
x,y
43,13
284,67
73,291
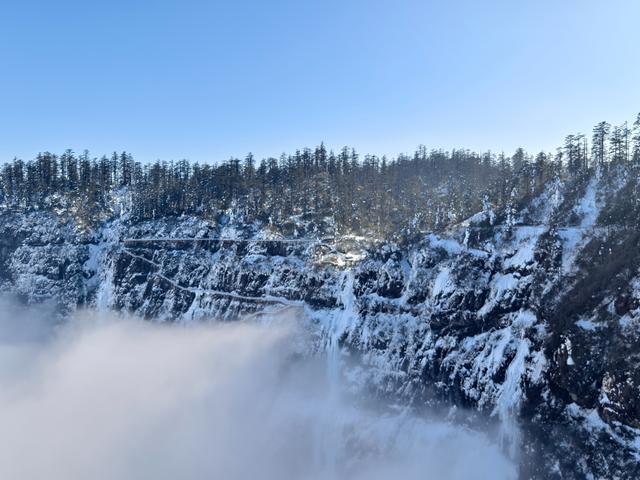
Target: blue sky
x,y
206,80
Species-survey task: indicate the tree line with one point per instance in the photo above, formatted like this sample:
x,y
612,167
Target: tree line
x,y
427,190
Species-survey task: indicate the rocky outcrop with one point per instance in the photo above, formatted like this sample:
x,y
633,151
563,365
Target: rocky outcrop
x,y
532,323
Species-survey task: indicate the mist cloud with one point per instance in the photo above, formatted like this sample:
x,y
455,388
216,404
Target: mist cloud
x,y
106,398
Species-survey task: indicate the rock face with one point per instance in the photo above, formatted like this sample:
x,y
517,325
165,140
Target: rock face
x,y
530,318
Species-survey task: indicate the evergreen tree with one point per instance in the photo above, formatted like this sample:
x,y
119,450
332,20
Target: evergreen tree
x,y
598,143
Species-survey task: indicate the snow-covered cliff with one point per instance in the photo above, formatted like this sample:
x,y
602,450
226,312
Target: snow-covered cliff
x,y
529,318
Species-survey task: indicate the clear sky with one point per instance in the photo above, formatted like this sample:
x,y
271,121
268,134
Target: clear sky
x,y
206,80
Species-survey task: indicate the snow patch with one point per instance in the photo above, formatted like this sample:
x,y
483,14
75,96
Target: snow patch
x,y
443,283
588,325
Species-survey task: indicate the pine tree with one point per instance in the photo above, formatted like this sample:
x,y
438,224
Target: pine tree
x,y
598,143
636,140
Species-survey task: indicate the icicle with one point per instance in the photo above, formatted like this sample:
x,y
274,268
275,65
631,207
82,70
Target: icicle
x,y
326,437
508,405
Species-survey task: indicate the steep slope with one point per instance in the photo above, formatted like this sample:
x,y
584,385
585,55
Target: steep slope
x,y
527,318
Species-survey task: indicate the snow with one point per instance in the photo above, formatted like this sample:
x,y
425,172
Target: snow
x,y
215,239
452,247
568,349
510,397
542,207
571,238
504,283
522,257
629,323
526,238
588,325
268,299
587,208
443,283
537,367
501,285
592,421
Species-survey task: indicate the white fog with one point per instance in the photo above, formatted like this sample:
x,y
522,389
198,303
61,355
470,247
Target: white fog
x,y
112,398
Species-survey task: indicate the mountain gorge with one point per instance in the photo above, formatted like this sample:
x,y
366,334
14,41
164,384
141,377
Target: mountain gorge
x,y
521,313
